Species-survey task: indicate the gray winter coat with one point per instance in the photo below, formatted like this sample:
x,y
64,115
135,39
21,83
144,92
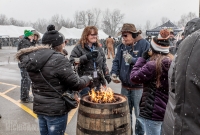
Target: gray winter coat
x,y
182,116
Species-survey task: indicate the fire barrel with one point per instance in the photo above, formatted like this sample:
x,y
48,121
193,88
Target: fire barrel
x,y
103,118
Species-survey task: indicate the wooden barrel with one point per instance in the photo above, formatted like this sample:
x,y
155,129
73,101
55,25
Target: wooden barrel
x,y
103,119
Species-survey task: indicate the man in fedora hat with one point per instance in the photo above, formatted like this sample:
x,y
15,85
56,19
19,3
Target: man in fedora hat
x,y
127,54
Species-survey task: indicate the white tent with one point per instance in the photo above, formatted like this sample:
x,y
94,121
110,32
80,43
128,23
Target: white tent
x,y
70,33
14,31
75,33
102,35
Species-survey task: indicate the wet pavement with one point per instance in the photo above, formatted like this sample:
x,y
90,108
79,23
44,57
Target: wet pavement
x,y
18,118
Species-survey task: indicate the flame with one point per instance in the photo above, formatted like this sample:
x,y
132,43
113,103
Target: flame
x,y
105,95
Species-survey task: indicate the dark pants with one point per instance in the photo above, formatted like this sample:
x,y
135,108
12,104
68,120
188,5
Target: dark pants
x,y
52,125
25,84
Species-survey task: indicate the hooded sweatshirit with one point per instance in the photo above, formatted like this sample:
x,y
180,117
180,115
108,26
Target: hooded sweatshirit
x,y
57,70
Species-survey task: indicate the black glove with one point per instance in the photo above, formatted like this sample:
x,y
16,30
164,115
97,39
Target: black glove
x,y
108,79
145,54
92,55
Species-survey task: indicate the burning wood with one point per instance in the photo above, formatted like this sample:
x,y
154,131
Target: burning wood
x,y
105,95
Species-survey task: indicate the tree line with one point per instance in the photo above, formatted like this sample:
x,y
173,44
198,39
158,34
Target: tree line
x,y
109,21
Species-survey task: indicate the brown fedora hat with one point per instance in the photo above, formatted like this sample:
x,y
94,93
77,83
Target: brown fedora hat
x,y
128,27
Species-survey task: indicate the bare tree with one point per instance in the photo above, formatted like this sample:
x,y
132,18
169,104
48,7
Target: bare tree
x,y
55,20
164,20
40,25
147,25
67,23
87,18
185,18
3,20
76,19
13,21
96,13
111,21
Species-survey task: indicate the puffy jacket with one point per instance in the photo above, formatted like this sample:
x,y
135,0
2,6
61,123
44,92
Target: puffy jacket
x,y
119,66
57,70
24,43
154,100
86,67
183,108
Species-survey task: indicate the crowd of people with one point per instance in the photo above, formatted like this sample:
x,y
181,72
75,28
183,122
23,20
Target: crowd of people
x,y
159,79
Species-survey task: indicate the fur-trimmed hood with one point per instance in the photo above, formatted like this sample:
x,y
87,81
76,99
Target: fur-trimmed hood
x,y
34,58
29,50
36,33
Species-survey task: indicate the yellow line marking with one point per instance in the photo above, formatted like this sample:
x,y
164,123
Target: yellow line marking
x,y
9,90
71,114
20,105
18,100
9,84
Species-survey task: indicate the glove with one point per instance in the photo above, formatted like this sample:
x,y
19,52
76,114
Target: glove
x,y
108,79
91,81
115,79
128,58
65,52
145,55
90,77
92,55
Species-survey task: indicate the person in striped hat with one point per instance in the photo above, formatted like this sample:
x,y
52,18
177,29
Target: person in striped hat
x,y
151,70
160,44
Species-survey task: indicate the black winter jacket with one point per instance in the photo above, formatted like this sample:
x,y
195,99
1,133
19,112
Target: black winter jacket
x,y
24,43
86,67
57,70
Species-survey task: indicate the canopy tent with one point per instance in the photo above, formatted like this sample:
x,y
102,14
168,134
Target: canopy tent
x,y
168,25
14,31
71,33
102,34
75,33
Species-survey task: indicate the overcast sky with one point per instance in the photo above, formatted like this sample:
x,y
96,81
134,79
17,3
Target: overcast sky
x,y
136,11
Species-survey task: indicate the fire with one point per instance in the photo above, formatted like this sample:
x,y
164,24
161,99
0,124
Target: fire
x,y
105,95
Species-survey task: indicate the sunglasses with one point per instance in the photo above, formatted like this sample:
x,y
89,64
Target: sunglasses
x,y
124,35
93,35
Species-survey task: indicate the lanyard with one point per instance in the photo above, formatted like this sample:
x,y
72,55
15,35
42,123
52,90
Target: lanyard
x,y
91,49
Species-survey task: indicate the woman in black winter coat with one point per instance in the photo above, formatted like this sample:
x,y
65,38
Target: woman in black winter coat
x,y
56,69
92,59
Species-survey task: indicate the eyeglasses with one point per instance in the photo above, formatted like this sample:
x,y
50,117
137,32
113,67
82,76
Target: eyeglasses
x,y
93,35
124,35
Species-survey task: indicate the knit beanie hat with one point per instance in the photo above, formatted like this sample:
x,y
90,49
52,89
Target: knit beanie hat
x,y
52,37
160,44
27,33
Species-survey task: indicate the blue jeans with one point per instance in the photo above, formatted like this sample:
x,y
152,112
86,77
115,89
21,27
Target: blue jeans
x,y
52,125
134,97
151,127
25,84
